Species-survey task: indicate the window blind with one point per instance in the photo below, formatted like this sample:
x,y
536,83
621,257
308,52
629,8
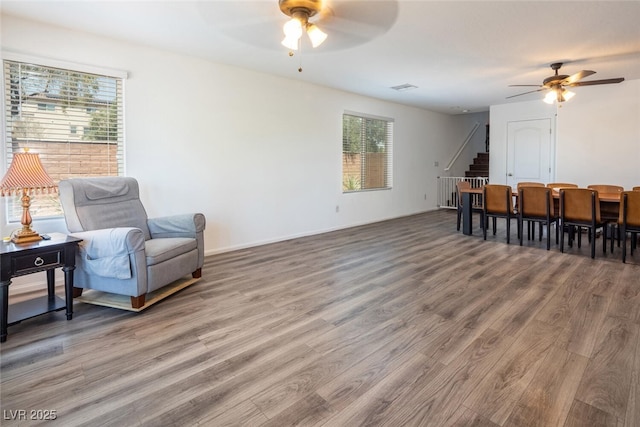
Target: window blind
x,y
72,119
367,152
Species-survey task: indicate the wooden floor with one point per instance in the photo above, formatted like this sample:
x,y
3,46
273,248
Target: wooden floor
x,y
400,323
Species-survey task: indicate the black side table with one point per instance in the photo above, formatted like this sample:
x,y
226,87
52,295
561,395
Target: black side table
x,y
22,259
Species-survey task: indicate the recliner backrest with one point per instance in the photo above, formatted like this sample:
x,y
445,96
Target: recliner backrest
x,y
102,202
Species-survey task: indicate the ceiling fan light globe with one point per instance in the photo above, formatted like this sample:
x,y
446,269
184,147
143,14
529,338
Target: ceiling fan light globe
x,y
290,43
292,29
316,35
567,94
550,97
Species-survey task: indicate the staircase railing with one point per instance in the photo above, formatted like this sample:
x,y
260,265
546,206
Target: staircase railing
x,y
462,147
448,191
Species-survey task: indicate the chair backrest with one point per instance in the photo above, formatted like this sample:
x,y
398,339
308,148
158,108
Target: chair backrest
x,y
498,198
601,188
630,208
534,202
529,184
579,204
102,202
636,188
561,185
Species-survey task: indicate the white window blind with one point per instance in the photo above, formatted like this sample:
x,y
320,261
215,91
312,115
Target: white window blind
x,y
72,119
367,152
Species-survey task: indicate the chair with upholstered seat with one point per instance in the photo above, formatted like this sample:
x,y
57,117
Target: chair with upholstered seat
x,y
475,207
497,202
580,207
536,205
561,185
124,252
529,184
636,188
629,220
609,212
520,185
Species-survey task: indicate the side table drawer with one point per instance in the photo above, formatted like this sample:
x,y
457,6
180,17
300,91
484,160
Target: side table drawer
x,y
43,260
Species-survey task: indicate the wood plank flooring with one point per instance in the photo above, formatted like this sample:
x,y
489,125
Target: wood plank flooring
x,y
400,323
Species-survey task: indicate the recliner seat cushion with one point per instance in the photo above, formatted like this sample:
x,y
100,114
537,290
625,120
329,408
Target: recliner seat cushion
x,y
163,249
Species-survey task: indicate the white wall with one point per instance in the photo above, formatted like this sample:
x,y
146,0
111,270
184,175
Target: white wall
x,y
597,135
259,155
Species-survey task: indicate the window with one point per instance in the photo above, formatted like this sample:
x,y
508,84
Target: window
x,y
40,102
367,147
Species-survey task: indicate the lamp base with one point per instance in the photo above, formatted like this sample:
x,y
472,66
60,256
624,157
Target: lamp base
x,y
26,236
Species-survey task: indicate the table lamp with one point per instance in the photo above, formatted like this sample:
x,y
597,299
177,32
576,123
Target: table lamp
x,y
27,175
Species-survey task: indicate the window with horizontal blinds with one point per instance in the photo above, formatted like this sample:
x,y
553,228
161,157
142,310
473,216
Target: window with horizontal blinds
x,y
367,153
72,119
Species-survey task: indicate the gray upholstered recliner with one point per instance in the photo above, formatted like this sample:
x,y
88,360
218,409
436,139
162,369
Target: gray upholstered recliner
x,y
123,251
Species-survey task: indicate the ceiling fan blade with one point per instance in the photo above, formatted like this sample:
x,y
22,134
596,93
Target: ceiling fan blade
x,y
350,23
577,76
525,85
524,93
598,82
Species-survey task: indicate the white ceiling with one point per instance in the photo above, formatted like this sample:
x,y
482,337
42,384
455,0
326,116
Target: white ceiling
x,y
462,55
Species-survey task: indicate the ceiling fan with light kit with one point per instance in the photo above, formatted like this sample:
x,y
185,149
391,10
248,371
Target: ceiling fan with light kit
x,y
557,84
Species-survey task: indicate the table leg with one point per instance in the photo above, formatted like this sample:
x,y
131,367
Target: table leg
x,y
467,214
4,306
51,283
68,289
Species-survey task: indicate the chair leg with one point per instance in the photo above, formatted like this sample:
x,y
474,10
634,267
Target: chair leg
x,y
580,237
548,235
508,229
458,222
486,225
520,226
562,239
624,244
138,302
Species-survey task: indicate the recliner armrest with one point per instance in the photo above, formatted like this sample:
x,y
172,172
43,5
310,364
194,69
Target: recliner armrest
x,y
112,241
106,252
183,225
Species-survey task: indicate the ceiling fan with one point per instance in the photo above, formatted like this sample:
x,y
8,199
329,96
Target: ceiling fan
x,y
556,84
347,23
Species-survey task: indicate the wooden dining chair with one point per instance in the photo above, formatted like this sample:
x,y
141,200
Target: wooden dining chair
x,y
636,188
529,184
580,207
475,207
497,202
608,211
520,185
536,206
629,220
561,185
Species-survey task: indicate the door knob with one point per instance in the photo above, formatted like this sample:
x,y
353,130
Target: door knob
x,y
509,174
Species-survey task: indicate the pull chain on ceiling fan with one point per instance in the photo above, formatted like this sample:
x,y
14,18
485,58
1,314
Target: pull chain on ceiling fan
x,y
556,84
300,11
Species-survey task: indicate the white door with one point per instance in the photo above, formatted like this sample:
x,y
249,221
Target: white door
x,y
529,151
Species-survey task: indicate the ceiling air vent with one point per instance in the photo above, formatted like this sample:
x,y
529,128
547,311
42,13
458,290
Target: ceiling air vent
x,y
405,87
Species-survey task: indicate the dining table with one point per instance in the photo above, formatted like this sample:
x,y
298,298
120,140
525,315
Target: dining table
x,y
609,202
